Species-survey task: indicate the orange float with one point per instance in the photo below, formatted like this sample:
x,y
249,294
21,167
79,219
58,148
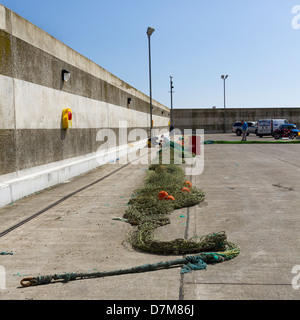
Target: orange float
x,y
162,195
160,169
185,190
188,184
169,198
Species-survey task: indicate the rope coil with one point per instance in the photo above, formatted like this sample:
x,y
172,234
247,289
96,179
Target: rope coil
x,y
189,263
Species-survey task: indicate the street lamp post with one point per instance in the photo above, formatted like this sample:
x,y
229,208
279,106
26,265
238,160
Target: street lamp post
x,y
171,87
149,33
224,78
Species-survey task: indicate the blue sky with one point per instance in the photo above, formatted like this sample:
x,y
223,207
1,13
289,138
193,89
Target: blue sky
x,y
195,41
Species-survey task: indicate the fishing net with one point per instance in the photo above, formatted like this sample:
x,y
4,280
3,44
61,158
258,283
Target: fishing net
x,y
172,152
148,212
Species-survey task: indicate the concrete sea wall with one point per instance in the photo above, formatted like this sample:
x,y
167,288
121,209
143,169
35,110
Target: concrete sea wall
x,y
35,151
212,120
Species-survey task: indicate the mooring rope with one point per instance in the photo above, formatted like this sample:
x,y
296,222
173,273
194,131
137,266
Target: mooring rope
x,y
189,263
4,253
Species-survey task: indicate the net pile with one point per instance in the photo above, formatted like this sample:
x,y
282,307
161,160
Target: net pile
x,y
148,212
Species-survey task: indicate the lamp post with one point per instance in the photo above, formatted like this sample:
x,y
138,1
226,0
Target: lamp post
x,y
224,78
149,33
171,87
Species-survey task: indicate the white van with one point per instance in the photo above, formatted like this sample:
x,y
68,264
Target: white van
x,y
266,127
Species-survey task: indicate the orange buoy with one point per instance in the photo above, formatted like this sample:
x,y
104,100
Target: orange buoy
x,y
162,195
185,190
169,198
160,169
188,184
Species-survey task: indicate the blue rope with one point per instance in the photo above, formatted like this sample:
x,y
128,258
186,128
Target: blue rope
x,y
189,263
193,263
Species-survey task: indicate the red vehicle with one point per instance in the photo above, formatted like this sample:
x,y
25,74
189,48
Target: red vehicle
x,y
286,131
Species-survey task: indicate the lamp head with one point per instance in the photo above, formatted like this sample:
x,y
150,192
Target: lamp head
x,y
66,75
150,31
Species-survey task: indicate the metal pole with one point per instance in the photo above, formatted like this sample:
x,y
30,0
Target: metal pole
x,y
224,79
150,85
224,108
171,85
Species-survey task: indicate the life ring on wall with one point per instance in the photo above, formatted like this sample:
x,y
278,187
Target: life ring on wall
x,y
67,116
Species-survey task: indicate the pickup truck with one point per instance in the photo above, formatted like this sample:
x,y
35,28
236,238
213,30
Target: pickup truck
x,y
237,128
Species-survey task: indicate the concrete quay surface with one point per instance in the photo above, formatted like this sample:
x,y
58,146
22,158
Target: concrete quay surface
x,y
252,193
